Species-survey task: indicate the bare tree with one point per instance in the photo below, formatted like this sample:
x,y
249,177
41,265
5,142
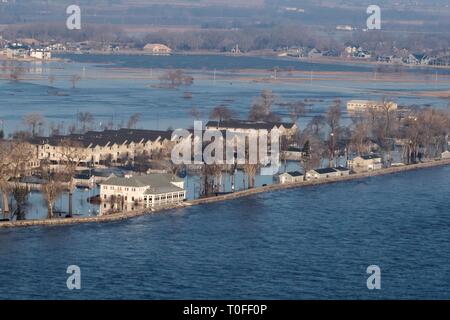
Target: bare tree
x,y
133,120
175,78
72,154
333,118
15,159
74,79
261,109
35,121
16,73
296,110
221,113
51,79
86,119
52,188
195,113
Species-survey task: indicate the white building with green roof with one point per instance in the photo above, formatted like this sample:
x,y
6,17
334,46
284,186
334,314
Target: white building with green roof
x,y
148,190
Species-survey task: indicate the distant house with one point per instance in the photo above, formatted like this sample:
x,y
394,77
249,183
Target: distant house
x,y
41,54
290,177
235,50
343,171
441,61
364,105
331,53
254,127
17,50
157,49
293,153
365,163
57,47
445,154
385,58
148,190
112,48
314,53
363,54
295,52
324,173
417,59
352,51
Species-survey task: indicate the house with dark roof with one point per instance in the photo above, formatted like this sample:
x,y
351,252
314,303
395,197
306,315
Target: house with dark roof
x,y
322,173
17,50
148,190
365,163
290,177
343,171
104,147
246,126
417,59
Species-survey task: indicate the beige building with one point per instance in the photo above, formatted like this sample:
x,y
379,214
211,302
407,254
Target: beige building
x,y
250,127
41,54
158,49
109,147
364,105
147,190
445,154
365,163
290,177
323,173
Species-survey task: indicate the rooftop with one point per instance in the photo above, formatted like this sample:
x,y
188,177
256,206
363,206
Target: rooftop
x,y
370,156
245,124
325,170
295,173
159,181
106,137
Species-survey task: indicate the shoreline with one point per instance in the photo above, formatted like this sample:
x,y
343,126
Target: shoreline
x,y
239,194
270,55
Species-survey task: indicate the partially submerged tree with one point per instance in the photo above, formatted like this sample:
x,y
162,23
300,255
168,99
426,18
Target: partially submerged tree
x,y
261,109
86,119
72,154
333,118
133,120
34,121
221,113
175,78
15,158
52,187
74,79
195,113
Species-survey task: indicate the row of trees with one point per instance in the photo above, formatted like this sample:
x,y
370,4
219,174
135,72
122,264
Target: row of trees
x,y
37,124
18,161
414,133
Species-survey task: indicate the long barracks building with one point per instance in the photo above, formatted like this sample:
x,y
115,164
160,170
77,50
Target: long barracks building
x,y
102,147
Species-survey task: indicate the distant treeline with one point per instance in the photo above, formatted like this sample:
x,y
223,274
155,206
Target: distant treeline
x,y
247,39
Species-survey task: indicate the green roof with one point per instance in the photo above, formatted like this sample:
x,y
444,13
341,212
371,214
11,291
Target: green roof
x,y
155,181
